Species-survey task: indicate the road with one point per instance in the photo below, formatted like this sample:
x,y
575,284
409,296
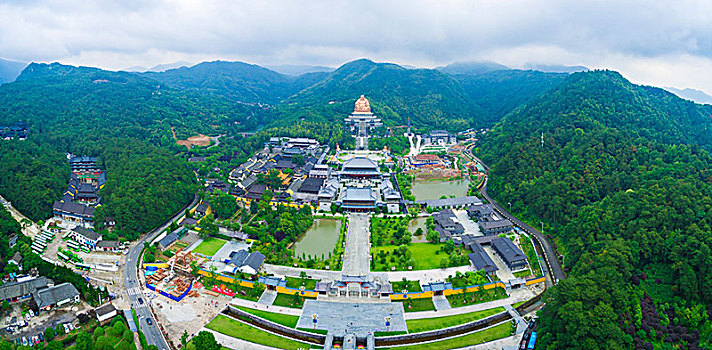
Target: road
x,y
134,288
356,254
552,261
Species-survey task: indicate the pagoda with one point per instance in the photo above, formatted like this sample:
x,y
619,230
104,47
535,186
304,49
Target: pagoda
x,y
362,117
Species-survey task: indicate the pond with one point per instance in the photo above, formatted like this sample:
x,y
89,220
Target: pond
x,y
413,226
416,223
320,239
437,189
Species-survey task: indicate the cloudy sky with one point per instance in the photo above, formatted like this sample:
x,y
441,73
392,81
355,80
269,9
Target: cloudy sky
x,y
662,43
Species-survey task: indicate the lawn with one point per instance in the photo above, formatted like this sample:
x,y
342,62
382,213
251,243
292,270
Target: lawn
x,y
285,320
415,305
289,300
294,282
497,332
471,298
429,324
251,334
411,286
528,249
209,246
423,256
467,279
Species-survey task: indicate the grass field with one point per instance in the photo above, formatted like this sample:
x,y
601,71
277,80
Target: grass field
x,y
285,320
288,300
411,286
425,256
237,329
429,324
497,332
209,246
294,282
415,305
464,299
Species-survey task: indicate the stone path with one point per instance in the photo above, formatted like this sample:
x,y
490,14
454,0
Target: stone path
x,y
267,297
441,303
234,343
521,323
356,254
470,308
256,305
352,317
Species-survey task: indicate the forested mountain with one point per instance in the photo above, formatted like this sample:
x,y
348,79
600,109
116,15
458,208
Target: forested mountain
x,y
624,183
431,99
247,83
120,117
9,70
471,68
500,92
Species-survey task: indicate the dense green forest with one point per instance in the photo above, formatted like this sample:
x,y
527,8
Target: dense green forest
x,y
624,182
32,176
500,92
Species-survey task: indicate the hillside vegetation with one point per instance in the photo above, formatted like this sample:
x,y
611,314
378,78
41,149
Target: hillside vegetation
x,y
624,181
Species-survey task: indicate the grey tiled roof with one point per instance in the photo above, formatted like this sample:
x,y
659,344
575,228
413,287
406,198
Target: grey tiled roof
x,y
54,295
13,290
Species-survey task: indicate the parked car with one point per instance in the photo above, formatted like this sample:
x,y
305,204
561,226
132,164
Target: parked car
x,y
24,341
41,336
140,300
148,320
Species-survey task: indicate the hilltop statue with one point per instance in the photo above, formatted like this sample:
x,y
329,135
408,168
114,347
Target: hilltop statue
x,y
362,105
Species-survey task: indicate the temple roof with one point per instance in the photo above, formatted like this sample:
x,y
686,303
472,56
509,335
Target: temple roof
x,y
362,105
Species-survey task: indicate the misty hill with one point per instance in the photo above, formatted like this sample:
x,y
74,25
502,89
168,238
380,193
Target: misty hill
x,y
296,69
243,82
67,101
548,68
431,99
471,68
9,70
693,95
623,184
500,92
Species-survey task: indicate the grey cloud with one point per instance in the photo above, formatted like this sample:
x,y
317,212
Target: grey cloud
x,y
121,34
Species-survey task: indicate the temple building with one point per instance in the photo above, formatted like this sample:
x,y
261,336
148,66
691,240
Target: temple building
x,y
360,168
362,118
439,137
358,199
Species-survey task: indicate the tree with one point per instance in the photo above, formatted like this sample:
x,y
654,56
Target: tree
x,y
206,341
433,236
60,329
84,341
54,345
49,333
184,339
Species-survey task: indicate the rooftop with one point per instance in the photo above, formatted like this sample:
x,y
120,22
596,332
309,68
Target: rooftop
x,y
358,194
54,295
508,250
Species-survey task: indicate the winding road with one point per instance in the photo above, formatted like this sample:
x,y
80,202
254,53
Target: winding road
x,y
134,288
552,261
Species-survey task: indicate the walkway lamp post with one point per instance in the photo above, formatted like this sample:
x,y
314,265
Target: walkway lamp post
x,y
314,320
388,323
510,206
542,227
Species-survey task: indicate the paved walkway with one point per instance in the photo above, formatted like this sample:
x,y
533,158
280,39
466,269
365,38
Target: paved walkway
x,y
441,303
234,343
356,254
469,308
256,305
521,324
267,297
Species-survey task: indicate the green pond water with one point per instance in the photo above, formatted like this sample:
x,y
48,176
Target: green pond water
x,y
320,239
416,223
437,189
